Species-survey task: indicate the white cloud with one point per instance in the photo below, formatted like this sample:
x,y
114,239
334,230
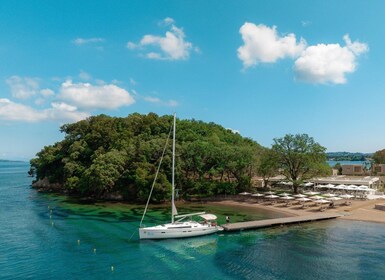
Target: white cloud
x,y
172,46
356,47
12,111
23,88
152,99
84,76
328,63
156,100
47,92
84,41
18,112
262,44
85,95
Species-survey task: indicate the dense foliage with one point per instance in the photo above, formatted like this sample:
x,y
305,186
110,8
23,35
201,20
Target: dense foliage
x,y
103,155
379,157
300,158
346,156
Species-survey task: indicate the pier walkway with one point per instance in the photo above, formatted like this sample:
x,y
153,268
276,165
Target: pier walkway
x,y
279,221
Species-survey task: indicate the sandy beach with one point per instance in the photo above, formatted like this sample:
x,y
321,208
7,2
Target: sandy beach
x,y
359,210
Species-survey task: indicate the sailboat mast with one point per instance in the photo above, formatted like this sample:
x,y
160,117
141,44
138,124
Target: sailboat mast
x,y
173,171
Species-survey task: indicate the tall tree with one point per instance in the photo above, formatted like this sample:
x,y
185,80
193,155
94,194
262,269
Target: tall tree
x,y
300,158
268,165
379,156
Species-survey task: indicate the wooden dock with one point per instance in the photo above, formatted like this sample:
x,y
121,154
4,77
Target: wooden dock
x,y
279,221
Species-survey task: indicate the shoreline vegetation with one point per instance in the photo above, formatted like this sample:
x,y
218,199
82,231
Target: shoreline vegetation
x,y
104,157
116,158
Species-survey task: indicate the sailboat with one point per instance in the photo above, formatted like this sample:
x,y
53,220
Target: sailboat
x,y
181,225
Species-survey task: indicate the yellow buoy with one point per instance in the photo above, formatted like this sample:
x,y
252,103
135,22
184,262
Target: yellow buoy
x,y
78,241
95,250
112,268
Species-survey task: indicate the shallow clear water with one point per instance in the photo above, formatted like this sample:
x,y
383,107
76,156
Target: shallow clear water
x,y
38,244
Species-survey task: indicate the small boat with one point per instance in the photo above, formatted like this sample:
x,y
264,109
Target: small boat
x,y
181,225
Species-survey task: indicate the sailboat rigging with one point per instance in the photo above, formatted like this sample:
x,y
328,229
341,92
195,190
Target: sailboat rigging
x,y
184,226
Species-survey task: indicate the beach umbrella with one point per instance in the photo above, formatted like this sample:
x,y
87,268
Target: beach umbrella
x,y
308,184
316,197
244,193
346,196
329,186
322,201
303,199
284,194
287,197
311,193
299,195
352,186
269,192
271,196
329,195
363,187
257,194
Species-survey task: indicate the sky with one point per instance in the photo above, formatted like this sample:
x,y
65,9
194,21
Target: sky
x,y
262,68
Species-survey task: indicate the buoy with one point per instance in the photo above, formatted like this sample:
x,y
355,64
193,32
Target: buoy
x,y
112,268
52,224
78,241
94,250
50,211
50,216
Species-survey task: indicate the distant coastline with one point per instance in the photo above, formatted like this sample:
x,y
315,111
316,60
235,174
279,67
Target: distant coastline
x,y
7,160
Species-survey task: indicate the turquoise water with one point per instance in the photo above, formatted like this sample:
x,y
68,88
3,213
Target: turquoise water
x,y
332,163
34,245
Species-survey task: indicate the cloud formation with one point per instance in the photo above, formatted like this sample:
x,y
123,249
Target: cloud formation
x,y
84,41
262,44
87,96
328,63
69,101
321,63
23,88
156,100
12,111
171,46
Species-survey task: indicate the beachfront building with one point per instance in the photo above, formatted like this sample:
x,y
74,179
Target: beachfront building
x,y
369,181
353,169
378,169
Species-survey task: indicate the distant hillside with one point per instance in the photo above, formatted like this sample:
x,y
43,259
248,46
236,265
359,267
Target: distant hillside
x,y
346,156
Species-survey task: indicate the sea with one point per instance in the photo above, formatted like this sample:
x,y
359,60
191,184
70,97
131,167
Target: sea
x,y
332,163
46,236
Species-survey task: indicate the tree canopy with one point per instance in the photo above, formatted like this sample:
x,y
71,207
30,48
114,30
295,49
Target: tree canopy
x,y
379,156
103,155
300,158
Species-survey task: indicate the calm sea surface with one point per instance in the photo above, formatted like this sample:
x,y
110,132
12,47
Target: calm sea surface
x,y
38,244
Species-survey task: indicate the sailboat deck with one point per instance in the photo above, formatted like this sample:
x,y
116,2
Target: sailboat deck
x,y
279,221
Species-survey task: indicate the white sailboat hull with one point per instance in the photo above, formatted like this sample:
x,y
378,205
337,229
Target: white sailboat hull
x,y
178,230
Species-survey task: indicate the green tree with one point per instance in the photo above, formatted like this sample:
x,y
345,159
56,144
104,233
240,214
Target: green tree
x,y
300,158
379,157
268,165
338,166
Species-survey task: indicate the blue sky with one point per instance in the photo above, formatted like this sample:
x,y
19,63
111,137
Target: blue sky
x,y
263,68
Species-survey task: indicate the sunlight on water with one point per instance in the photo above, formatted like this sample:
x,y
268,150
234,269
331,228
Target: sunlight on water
x,y
46,236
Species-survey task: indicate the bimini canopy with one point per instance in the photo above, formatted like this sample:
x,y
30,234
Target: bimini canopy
x,y
208,217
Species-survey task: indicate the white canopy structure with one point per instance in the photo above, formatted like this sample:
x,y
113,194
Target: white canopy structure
x,y
208,217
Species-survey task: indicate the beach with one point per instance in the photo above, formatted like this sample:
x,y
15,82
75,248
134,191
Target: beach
x,y
359,210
